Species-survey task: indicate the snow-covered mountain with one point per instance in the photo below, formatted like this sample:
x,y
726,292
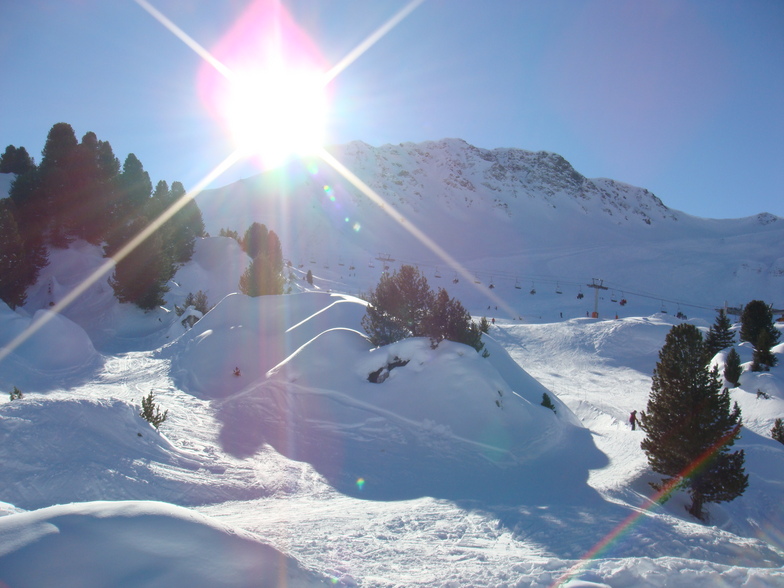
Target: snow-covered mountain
x,y
281,464
516,219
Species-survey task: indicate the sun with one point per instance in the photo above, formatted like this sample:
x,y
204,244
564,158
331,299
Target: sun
x,y
276,113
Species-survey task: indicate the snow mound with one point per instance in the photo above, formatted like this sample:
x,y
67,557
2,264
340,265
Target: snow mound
x,y
138,544
444,422
215,268
254,335
57,348
98,449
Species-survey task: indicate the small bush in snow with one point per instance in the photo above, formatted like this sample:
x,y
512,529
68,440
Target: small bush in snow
x,y
197,302
151,412
777,432
16,393
484,325
547,402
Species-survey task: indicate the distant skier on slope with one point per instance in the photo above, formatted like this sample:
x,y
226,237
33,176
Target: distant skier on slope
x,y
633,420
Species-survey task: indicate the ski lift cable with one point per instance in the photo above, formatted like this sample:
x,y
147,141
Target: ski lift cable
x,y
497,275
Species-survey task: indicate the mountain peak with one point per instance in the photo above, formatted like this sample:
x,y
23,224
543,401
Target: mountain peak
x,y
457,171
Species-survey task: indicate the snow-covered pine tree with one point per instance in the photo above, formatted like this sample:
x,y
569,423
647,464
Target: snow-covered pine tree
x,y
689,425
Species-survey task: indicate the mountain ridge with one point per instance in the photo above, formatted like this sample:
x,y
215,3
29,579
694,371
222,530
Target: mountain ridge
x,y
509,214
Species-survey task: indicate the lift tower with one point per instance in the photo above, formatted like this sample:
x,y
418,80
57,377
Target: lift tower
x,y
596,287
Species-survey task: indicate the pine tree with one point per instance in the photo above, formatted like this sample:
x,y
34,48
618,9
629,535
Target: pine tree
x,y
254,241
184,226
756,317
151,412
448,319
93,178
398,306
13,270
689,425
484,325
732,368
134,189
402,305
720,335
275,251
261,279
763,359
15,161
777,432
142,276
58,182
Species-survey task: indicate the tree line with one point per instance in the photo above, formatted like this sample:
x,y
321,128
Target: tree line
x,y
79,190
403,305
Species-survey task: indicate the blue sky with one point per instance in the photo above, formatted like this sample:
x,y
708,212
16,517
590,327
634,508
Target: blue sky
x,y
683,98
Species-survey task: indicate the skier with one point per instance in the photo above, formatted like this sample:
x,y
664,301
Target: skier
x,y
633,420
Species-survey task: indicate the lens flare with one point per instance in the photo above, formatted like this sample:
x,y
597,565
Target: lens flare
x,y
274,100
360,484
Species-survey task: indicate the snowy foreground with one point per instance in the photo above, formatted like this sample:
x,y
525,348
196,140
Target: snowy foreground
x,y
300,472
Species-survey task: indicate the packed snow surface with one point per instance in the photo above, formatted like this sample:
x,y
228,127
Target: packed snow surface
x,y
281,464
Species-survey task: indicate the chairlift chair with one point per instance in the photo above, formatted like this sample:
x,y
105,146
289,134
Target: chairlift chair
x,y
517,285
580,294
613,297
533,289
558,288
